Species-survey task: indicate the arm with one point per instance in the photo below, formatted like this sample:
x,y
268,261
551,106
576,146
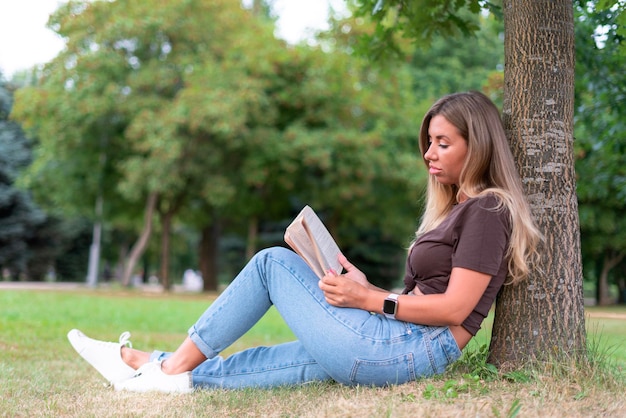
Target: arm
x,y
464,290
452,307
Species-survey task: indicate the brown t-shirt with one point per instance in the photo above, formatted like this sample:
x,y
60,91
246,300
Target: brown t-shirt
x,y
474,235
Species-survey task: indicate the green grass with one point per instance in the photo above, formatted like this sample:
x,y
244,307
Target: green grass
x,y
606,330
41,375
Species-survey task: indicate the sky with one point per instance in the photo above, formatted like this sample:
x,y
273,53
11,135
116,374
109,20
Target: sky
x,y
25,41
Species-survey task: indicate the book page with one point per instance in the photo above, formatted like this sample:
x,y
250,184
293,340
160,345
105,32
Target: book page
x,y
308,237
327,248
298,239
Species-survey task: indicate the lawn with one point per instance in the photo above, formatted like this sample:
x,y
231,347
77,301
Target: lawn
x,y
41,375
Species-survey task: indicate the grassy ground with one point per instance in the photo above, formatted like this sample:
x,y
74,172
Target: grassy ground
x,y
41,375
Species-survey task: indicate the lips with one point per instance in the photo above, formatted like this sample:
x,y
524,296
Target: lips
x,y
434,170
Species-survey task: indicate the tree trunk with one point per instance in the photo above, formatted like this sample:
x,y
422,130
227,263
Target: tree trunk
x,y
208,255
621,289
542,317
168,209
94,250
253,237
164,271
140,246
609,263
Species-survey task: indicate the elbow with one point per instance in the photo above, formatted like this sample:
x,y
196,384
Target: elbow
x,y
457,312
456,318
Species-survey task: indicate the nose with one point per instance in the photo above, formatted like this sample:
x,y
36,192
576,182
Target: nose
x,y
429,154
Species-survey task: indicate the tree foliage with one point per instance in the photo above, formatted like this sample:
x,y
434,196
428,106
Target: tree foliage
x,y
452,64
196,104
420,21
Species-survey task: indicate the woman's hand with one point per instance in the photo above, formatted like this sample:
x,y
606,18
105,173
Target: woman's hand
x,y
342,291
352,272
347,290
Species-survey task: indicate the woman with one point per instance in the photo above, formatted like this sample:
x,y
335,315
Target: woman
x,y
476,231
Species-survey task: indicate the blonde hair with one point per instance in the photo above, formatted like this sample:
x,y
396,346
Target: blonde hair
x,y
489,168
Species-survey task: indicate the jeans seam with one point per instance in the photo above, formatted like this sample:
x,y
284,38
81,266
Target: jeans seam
x,y
240,372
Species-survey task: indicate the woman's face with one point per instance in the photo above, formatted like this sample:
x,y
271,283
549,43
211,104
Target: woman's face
x,y
446,151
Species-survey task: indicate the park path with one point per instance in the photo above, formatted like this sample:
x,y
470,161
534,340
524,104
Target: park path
x,y
607,315
4,285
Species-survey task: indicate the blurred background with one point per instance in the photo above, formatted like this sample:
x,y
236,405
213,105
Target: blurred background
x,y
162,143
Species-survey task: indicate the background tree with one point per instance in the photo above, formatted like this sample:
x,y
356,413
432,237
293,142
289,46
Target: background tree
x,y
194,112
452,64
600,145
116,82
19,216
323,140
31,240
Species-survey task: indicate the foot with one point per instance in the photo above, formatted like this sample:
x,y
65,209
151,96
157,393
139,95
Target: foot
x,y
105,357
150,378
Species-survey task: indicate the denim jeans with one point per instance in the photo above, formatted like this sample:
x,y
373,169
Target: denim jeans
x,y
350,346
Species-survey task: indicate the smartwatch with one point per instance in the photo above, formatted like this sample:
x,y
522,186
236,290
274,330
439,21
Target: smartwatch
x,y
390,306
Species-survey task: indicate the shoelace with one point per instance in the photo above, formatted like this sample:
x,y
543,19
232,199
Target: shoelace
x,y
125,339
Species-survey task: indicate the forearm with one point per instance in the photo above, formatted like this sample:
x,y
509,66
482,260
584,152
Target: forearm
x,y
376,288
465,288
436,309
449,308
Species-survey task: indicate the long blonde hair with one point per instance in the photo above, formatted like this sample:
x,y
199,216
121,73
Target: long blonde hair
x,y
489,168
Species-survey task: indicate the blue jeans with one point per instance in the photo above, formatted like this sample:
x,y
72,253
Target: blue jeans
x,y
350,346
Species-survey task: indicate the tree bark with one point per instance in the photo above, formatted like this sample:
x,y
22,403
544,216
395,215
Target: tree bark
x,y
140,246
542,317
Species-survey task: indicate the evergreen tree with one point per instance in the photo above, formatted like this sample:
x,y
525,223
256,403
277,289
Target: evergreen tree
x,y
19,217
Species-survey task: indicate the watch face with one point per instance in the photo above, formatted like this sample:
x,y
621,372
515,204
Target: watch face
x,y
389,306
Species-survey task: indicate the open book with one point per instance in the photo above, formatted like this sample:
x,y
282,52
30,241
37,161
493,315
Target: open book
x,y
308,237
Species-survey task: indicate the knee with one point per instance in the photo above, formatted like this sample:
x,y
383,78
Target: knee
x,y
275,252
280,255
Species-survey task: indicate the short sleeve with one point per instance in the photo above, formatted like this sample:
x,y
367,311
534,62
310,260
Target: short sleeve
x,y
482,237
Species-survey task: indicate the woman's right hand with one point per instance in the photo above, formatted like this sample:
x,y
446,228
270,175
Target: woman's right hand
x,y
352,272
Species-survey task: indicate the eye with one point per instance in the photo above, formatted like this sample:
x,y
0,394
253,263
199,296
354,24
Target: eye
x,y
443,146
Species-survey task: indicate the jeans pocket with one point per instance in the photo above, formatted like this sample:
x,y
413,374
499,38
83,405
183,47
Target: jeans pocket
x,y
433,332
391,371
443,347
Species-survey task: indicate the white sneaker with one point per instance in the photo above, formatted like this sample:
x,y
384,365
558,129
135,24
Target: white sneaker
x,y
105,357
150,378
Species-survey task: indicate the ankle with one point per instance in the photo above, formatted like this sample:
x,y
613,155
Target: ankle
x,y
170,367
133,358
126,356
167,367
